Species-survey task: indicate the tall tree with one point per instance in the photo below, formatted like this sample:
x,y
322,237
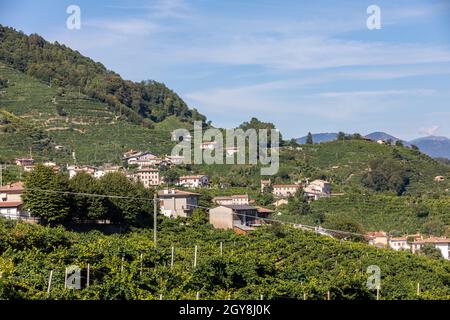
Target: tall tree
x,y
309,139
51,205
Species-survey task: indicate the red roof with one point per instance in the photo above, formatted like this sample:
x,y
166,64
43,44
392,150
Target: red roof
x,y
10,204
433,240
16,186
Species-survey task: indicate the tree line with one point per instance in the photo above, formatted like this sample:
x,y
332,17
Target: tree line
x,y
56,199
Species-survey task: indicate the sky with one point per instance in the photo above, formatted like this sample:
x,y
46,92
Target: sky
x,y
303,65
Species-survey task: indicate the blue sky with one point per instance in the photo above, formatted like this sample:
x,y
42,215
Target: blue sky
x,y
304,65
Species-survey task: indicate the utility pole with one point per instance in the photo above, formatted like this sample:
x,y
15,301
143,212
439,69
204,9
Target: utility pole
x,y
154,217
50,282
221,248
1,175
171,261
195,256
88,275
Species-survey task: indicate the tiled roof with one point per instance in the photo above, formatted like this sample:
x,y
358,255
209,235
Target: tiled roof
x,y
10,204
17,186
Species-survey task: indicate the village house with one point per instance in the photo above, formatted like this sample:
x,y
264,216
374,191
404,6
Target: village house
x,y
74,169
148,176
141,159
22,162
229,200
378,239
240,218
264,184
176,203
53,165
442,244
196,181
176,160
403,243
11,201
100,172
284,190
317,189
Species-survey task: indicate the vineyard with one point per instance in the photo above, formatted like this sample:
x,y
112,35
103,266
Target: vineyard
x,y
275,262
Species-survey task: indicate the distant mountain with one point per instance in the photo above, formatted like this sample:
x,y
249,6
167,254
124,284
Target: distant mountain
x,y
375,136
434,146
319,137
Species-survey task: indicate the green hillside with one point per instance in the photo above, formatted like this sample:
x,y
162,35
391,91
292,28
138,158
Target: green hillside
x,y
145,103
38,113
277,262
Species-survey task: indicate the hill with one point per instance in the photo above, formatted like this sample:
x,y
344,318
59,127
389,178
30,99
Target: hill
x,y
375,136
276,262
144,103
319,137
436,147
52,123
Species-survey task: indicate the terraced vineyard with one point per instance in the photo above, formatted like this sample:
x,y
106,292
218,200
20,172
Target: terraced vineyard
x,y
70,120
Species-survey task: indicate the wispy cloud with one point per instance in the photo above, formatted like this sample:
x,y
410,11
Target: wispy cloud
x,y
430,131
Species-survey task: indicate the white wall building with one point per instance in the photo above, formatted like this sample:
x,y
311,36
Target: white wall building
x,y
284,190
196,181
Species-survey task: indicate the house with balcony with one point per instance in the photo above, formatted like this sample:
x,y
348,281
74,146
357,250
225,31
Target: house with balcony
x,y
176,203
240,218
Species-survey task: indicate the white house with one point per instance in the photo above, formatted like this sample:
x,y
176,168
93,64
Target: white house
x,y
284,190
148,176
22,162
196,181
317,189
141,158
402,243
442,244
11,201
176,203
74,169
240,199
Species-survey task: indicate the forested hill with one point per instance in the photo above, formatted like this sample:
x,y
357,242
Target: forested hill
x,y
144,103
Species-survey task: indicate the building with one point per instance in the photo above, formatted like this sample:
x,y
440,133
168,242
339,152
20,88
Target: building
x,y
100,172
74,169
264,184
229,200
148,176
378,239
196,181
142,159
176,203
240,218
53,165
404,242
285,190
176,160
11,201
442,244
22,162
317,189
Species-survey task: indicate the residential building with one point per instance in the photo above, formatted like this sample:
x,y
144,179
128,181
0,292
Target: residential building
x,y
148,176
24,162
176,203
142,159
74,169
100,172
264,184
176,160
52,165
285,190
377,238
317,189
442,244
11,201
240,218
403,243
234,199
196,181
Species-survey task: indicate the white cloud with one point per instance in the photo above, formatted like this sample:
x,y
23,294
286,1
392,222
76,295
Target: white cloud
x,y
430,131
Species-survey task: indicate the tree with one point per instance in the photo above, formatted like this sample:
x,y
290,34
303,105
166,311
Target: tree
x,y
431,251
84,206
128,199
341,136
298,204
309,139
170,176
51,206
386,175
